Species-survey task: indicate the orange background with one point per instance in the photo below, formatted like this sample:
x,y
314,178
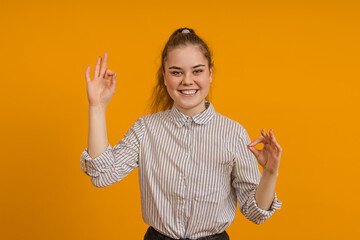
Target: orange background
x,y
288,65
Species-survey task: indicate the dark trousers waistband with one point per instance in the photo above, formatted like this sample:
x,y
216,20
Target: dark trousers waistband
x,y
152,234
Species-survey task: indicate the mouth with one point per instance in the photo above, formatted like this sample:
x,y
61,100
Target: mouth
x,y
188,92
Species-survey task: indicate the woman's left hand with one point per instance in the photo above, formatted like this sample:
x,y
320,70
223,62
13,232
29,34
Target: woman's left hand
x,y
269,156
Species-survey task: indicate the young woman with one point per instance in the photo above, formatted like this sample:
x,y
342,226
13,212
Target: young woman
x,y
195,165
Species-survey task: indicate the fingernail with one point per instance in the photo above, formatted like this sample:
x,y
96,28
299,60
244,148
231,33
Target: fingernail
x,y
115,74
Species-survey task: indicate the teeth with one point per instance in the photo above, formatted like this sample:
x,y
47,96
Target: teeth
x,y
189,92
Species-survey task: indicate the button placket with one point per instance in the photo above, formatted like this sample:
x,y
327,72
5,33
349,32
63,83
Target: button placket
x,y
188,137
184,177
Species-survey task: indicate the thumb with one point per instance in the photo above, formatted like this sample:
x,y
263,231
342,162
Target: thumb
x,y
113,83
254,151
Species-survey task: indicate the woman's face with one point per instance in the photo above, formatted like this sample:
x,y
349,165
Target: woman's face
x,y
187,78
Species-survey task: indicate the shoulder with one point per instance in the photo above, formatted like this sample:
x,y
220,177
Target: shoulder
x,y
146,123
236,136
153,119
229,124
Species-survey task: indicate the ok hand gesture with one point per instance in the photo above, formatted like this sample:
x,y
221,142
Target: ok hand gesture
x,y
102,87
269,156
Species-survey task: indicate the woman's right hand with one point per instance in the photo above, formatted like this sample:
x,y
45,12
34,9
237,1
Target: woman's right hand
x,y
102,87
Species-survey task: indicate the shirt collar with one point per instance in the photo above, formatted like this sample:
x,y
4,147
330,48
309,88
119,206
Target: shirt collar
x,y
201,118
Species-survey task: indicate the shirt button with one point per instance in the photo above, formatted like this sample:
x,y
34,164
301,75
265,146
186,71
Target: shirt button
x,y
184,177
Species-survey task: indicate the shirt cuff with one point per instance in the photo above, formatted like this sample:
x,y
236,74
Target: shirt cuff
x,y
259,215
92,167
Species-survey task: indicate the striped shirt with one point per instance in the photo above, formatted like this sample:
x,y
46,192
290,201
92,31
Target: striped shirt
x,y
192,171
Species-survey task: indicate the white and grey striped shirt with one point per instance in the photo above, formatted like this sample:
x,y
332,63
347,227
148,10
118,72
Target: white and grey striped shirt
x,y
192,171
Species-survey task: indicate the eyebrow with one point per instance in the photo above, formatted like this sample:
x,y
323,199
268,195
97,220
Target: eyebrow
x,y
196,66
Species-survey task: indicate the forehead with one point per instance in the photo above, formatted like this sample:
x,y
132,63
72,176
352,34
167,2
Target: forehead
x,y
186,56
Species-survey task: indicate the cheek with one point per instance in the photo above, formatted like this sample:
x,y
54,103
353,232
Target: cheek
x,y
205,83
171,83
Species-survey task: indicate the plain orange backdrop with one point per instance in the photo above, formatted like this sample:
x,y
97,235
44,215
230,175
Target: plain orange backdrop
x,y
288,65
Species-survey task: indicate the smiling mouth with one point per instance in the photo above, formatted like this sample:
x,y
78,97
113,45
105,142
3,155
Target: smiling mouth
x,y
188,92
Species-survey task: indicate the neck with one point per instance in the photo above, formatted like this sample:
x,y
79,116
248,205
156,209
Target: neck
x,y
192,111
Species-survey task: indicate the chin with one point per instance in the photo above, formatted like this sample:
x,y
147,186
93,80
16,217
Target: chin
x,y
188,102
189,105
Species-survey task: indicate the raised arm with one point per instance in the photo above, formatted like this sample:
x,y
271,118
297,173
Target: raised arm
x,y
100,90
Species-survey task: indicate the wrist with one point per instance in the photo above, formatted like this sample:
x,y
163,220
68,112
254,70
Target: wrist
x,y
97,107
269,174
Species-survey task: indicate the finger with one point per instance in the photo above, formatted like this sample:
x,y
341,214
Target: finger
x,y
274,140
109,73
87,74
260,139
272,136
113,83
254,151
267,140
104,65
97,68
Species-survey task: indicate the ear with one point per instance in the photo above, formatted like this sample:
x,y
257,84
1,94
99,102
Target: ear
x,y
211,76
164,78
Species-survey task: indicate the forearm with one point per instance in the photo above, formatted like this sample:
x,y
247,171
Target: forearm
x,y
265,191
97,139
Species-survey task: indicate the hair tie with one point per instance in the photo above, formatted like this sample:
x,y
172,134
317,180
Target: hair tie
x,y
185,31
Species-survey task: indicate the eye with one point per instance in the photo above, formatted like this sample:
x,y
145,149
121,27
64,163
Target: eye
x,y
198,71
176,73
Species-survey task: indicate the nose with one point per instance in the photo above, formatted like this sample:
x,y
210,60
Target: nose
x,y
187,79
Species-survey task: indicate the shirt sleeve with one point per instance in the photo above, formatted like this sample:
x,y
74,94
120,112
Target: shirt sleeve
x,y
116,162
245,179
